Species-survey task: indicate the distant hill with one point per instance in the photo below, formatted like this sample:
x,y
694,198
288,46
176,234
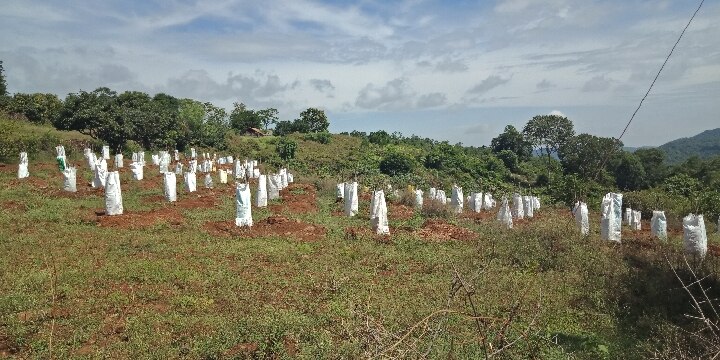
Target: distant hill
x,y
704,145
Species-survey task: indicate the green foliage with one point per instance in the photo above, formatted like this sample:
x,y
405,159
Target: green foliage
x,y
312,120
587,155
3,83
396,163
629,172
549,132
286,149
704,145
380,137
509,158
319,137
242,118
18,135
653,161
38,108
512,140
682,184
268,117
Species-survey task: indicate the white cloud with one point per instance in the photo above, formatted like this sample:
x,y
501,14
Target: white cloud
x,y
557,113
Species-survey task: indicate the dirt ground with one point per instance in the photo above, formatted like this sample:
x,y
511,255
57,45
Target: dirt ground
x,y
275,225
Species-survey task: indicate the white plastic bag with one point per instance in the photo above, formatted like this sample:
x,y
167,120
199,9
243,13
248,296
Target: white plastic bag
x,y
137,170
192,166
155,159
536,203
170,186
164,162
261,198
487,203
91,159
223,176
441,197
505,215
250,170
290,178
208,181
193,153
627,219
340,191
635,223
528,206
23,171
476,202
102,164
517,207
658,225
273,186
351,199
113,194
106,152
177,155
190,182
694,235
243,216
611,220
119,161
141,157
178,168
457,199
239,170
581,217
378,217
432,193
69,179
283,178
418,199
100,177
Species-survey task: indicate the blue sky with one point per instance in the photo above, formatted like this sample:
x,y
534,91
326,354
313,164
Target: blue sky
x,y
450,70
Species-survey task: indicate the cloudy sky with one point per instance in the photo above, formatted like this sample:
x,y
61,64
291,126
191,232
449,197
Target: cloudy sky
x,y
452,70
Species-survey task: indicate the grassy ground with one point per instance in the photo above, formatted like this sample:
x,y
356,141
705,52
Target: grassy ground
x,y
72,289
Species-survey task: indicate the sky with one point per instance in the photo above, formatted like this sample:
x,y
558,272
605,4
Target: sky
x,y
455,70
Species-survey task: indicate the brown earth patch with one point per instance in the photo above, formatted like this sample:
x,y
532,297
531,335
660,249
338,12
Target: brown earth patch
x,y
297,199
139,220
713,250
434,229
32,181
83,191
13,205
245,349
482,216
273,226
400,212
7,346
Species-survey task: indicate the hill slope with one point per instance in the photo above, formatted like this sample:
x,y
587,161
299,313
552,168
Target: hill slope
x,y
704,145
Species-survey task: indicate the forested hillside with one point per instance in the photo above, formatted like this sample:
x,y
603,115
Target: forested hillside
x,y
703,145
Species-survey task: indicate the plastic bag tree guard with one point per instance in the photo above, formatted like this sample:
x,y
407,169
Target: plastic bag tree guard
x,y
243,214
106,152
441,197
487,202
273,186
141,157
221,161
432,193
190,181
250,170
456,200
256,173
517,207
283,178
178,168
91,159
627,219
239,170
170,186
100,177
476,202
113,194
528,206
581,217
379,218
536,203
694,235
351,199
134,157
290,178
611,217
658,225
340,191
261,197
192,166
119,161
155,158
208,181
136,169
193,153
635,223
23,171
60,158
69,179
223,176
177,155
102,164
504,214
418,199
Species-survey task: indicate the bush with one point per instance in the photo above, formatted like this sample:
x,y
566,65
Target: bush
x,y
396,164
435,209
286,149
320,137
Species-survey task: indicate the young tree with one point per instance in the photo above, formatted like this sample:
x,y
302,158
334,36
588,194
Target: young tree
x,y
549,132
268,117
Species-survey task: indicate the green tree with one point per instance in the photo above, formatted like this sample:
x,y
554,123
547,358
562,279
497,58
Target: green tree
x,y
38,108
509,158
584,154
243,118
286,149
653,161
549,132
396,163
284,127
629,172
380,137
312,120
3,84
94,114
268,117
511,139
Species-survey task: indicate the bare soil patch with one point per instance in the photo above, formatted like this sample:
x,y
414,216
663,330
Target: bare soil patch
x,y
297,199
273,226
400,212
434,229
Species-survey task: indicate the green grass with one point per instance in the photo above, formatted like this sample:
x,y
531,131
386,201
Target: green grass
x,y
176,291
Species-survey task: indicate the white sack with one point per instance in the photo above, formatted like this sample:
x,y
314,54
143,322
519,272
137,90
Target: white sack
x,y
250,170
100,177
102,164
457,199
193,153
192,166
504,214
134,157
379,219
113,194
635,223
239,170
517,207
170,186
536,203
178,168
221,161
487,202
177,155
119,161
694,235
581,217
261,198
351,199
658,225
476,202
223,176
528,206
273,186
283,178
243,216
208,181
290,178
432,193
106,152
627,218
340,191
141,157
611,220
69,179
155,159
136,169
190,182
441,197
418,199
91,160
23,171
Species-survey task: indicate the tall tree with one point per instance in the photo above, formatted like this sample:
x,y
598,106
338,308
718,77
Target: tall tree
x,y
313,120
38,108
653,161
583,155
511,139
243,118
549,132
268,117
629,172
3,84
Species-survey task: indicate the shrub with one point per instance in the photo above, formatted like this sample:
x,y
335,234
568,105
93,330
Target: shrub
x,y
320,137
396,164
